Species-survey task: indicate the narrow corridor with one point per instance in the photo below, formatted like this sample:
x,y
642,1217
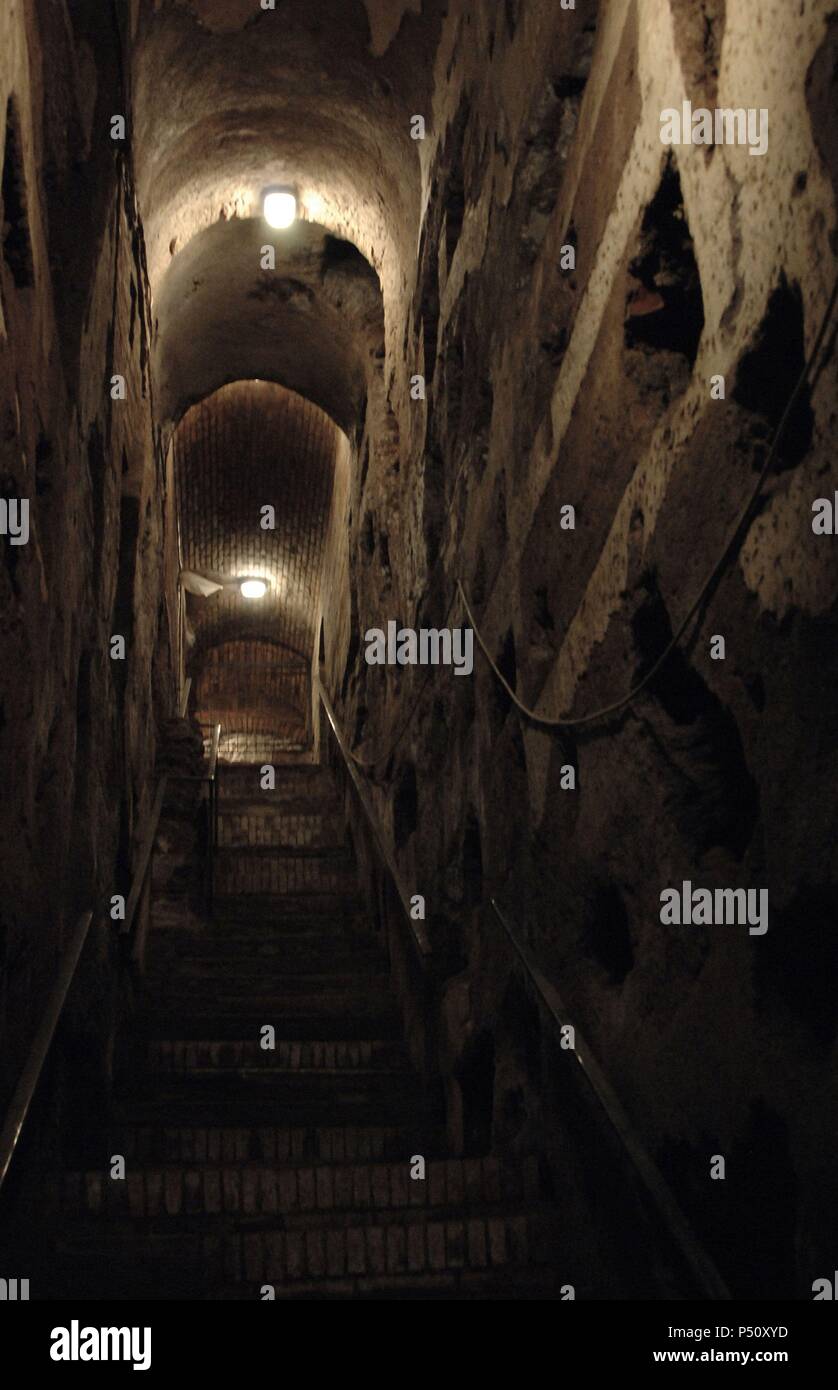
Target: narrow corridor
x,y
422,414
308,1161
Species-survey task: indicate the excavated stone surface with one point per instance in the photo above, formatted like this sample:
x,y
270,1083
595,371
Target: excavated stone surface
x,y
545,386
77,728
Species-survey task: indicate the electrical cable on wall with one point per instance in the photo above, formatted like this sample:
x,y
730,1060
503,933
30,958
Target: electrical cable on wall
x,y
562,722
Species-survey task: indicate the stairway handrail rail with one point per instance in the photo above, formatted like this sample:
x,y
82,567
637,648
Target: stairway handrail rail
x,y
27,1083
184,699
213,758
665,1201
28,1080
144,863
24,1091
417,930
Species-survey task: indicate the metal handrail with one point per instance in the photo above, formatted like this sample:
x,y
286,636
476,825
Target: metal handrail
x,y
216,739
143,863
29,1077
184,703
665,1202
212,829
418,931
699,1262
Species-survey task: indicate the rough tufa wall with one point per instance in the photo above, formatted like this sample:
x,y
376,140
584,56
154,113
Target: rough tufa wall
x,y
550,381
548,386
77,728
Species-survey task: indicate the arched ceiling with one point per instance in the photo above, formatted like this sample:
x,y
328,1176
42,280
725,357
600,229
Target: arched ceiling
x,y
261,365
228,99
259,694
250,445
311,323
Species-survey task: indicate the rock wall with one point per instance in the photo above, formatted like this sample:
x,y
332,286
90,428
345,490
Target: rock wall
x,y
576,324
77,727
585,381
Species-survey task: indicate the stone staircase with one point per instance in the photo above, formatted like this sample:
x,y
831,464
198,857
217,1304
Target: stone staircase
x,y
288,1171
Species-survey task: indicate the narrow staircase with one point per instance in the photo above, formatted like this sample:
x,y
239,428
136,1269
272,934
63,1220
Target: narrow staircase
x,y
288,1172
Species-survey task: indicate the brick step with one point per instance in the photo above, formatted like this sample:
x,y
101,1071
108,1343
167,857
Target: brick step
x,y
414,1243
262,803
311,1099
300,782
280,984
201,1055
536,1285
288,1247
312,1144
159,1268
240,966
288,997
301,958
290,1097
284,1085
332,856
303,1194
243,926
163,1207
417,1256
357,979
264,872
237,908
275,998
270,988
280,848
298,1020
270,1143
243,824
244,971
248,933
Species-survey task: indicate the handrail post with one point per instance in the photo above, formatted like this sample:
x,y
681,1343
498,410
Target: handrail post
x,y
212,817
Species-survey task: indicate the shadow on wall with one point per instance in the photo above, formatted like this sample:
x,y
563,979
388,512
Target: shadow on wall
x,y
797,966
607,935
476,1079
716,802
665,311
17,246
405,806
748,1218
769,371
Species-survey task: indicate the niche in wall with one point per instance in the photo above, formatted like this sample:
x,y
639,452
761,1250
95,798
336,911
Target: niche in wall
x,y
665,307
17,242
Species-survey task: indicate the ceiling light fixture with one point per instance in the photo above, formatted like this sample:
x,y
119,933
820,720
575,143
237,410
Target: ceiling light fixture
x,y
279,207
253,588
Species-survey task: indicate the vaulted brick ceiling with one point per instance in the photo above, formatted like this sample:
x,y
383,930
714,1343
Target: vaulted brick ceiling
x,y
312,322
314,95
251,445
318,97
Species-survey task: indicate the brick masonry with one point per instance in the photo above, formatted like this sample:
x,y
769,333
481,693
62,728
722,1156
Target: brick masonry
x,y
301,1205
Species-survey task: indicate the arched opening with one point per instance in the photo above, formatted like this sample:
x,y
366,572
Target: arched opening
x,y
254,470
